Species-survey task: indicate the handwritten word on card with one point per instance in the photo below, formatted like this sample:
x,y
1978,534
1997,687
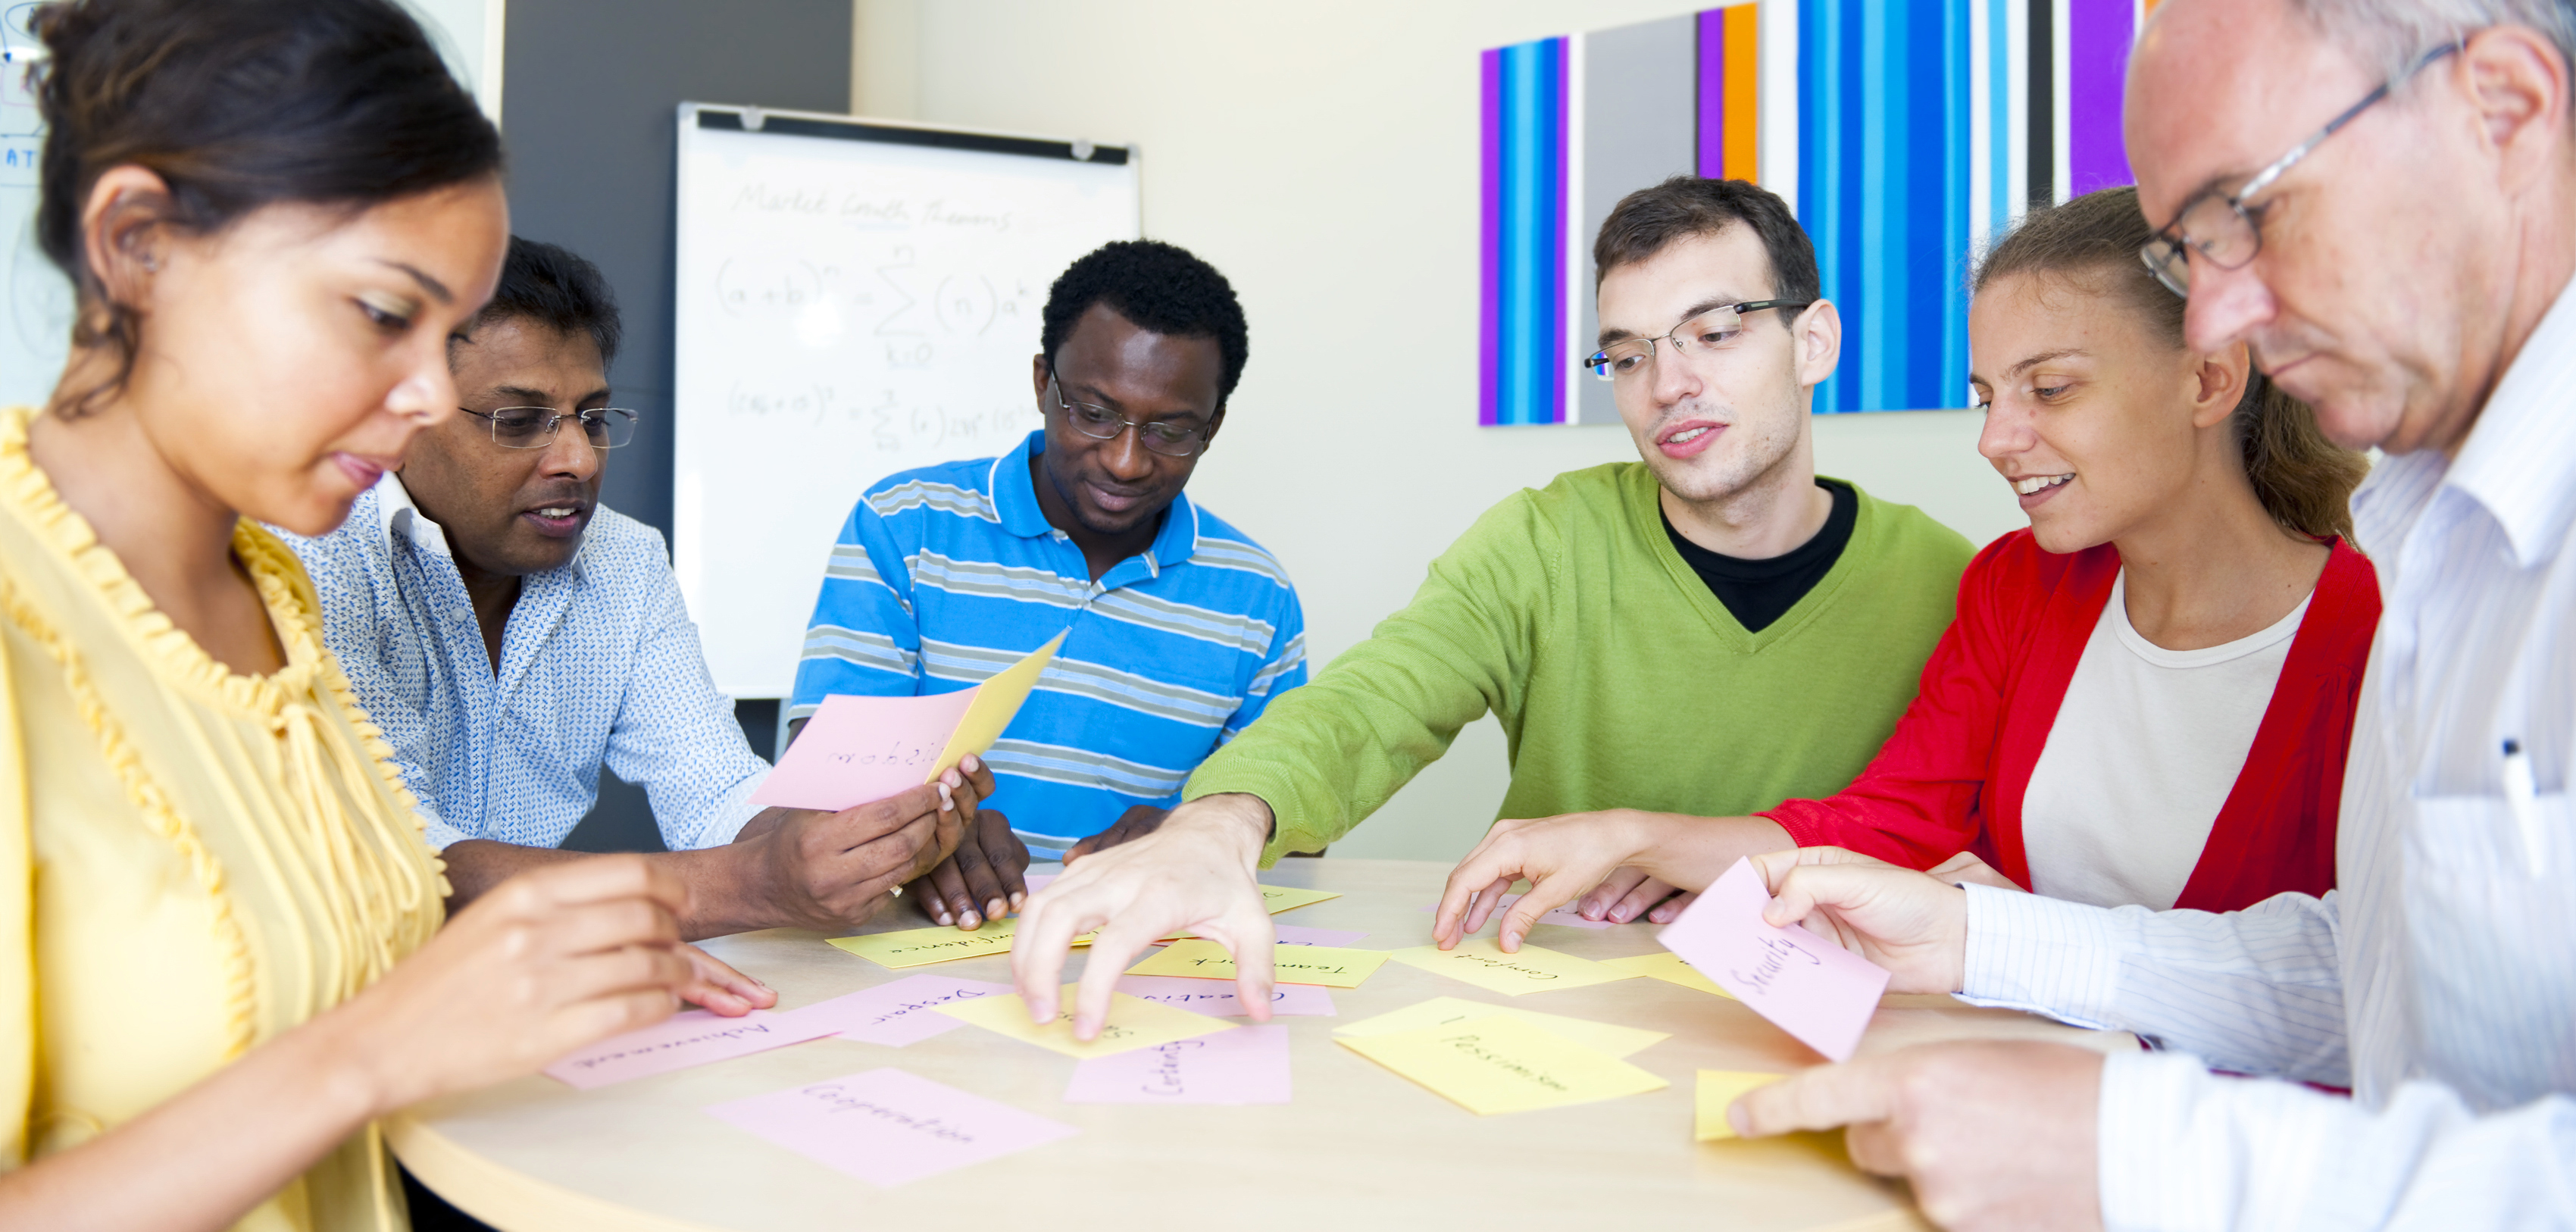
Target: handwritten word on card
x,y
1247,1066
887,1127
1806,985
1501,1064
1217,999
1133,1023
691,1037
1719,1088
896,1014
1615,1040
1482,963
1296,964
856,749
915,947
1668,966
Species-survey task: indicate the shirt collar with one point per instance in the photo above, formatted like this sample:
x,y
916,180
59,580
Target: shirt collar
x,y
2520,459
403,520
1015,504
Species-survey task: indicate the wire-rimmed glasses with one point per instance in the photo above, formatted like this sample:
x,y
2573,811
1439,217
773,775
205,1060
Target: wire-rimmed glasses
x,y
533,427
2224,230
1172,440
1713,330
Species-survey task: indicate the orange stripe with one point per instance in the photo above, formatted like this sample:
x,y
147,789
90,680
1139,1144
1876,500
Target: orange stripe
x,y
1741,95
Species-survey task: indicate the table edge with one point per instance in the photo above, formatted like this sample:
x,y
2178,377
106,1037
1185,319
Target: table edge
x,y
509,1199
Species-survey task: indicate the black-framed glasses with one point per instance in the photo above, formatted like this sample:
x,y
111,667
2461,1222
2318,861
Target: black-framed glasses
x,y
533,427
1172,440
2224,230
1713,330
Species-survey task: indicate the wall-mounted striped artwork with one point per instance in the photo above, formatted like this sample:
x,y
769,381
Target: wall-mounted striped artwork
x,y
1905,133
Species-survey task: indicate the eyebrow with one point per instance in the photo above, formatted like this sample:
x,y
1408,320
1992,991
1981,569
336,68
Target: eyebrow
x,y
2041,358
1094,395
1610,335
437,290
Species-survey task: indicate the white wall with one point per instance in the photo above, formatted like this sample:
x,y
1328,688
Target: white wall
x,y
1325,156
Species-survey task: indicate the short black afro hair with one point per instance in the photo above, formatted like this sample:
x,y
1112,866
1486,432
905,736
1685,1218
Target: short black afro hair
x,y
1158,287
554,287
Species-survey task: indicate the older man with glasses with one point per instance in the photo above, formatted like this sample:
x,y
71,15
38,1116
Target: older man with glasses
x,y
2380,198
510,636
1179,629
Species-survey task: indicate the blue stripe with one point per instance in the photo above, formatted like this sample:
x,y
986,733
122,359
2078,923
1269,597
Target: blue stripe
x,y
1532,258
1999,114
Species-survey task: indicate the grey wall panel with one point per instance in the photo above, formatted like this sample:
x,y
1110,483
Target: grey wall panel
x,y
1638,127
588,114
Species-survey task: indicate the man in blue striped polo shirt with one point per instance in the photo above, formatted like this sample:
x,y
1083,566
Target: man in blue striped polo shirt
x,y
1179,628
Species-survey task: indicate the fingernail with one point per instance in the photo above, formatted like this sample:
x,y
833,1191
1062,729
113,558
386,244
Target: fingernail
x,y
1619,915
1017,899
995,908
969,921
944,918
1735,1120
971,763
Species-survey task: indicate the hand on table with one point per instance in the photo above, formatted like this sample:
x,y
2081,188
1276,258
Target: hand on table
x,y
1905,921
717,987
1561,856
1627,892
544,963
1992,1134
1194,874
1131,825
834,871
984,879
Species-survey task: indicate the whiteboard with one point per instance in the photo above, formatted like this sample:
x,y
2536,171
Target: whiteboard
x,y
852,299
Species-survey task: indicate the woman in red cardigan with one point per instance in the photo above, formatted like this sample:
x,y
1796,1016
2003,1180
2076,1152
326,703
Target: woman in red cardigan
x,y
2145,698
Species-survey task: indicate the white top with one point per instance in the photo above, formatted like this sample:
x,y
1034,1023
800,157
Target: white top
x,y
2439,980
2146,747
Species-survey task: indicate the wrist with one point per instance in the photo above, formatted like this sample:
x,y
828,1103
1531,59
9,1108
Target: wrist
x,y
724,888
1240,821
1954,946
346,1068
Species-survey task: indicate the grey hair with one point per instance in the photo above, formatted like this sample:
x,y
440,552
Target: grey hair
x,y
2392,34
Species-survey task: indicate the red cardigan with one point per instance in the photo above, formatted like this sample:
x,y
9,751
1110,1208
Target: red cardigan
x,y
1953,775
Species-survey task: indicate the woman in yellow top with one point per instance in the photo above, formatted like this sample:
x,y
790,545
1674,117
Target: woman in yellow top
x,y
220,947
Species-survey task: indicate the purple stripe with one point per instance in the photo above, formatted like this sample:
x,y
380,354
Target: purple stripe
x,y
2098,34
1710,80
1489,371
1556,332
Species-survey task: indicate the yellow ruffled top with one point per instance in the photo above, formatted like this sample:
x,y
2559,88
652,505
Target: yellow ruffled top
x,y
191,861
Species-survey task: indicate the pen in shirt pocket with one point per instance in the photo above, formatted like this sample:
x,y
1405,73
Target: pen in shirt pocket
x,y
2522,795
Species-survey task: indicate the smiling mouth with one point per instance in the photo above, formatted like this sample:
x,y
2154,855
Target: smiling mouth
x,y
558,511
2039,483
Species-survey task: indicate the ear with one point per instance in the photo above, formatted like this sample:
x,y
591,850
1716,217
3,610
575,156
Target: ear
x,y
1215,422
1038,380
2218,384
123,238
1819,337
2517,85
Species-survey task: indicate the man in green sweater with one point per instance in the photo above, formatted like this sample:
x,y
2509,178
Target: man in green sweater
x,y
1710,631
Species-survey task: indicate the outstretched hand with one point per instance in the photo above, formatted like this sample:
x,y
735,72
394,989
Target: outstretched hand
x,y
1561,857
1905,921
1194,874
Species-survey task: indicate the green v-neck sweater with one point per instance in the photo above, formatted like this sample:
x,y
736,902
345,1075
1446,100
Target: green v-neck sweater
x,y
1620,681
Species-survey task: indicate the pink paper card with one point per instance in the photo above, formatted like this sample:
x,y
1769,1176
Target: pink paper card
x,y
858,749
1806,985
1564,914
1216,998
887,1127
1293,934
1246,1066
690,1037
896,1014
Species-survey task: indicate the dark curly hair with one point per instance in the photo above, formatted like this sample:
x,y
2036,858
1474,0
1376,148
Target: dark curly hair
x,y
236,105
1161,288
555,287
1647,221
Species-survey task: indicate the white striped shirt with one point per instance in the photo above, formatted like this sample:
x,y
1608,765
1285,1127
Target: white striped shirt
x,y
2439,980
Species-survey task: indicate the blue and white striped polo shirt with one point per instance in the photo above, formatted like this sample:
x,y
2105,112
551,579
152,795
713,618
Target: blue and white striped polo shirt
x,y
948,574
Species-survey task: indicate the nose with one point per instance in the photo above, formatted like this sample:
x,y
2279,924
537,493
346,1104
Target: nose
x,y
2007,431
2226,307
425,394
1124,456
1675,377
570,454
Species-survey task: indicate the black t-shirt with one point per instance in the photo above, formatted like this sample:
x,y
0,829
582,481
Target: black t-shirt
x,y
1758,592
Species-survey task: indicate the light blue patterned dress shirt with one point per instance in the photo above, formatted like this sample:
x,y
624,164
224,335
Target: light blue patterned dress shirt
x,y
599,663
2438,981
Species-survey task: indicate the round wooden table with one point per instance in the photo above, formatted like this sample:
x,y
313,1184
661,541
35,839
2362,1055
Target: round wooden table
x,y
1359,1148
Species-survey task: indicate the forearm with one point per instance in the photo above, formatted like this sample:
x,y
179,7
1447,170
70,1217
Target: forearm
x,y
718,902
213,1151
475,865
1690,852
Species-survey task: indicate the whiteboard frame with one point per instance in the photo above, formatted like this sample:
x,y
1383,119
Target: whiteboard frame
x,y
688,534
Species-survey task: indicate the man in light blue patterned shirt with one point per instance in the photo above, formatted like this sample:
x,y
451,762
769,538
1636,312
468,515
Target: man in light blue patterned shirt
x,y
1178,628
510,637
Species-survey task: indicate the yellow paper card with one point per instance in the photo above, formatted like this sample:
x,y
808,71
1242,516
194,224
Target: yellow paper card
x,y
1611,1038
1668,966
1289,898
1480,962
1719,1088
915,946
1134,1022
1503,1064
1329,966
996,700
